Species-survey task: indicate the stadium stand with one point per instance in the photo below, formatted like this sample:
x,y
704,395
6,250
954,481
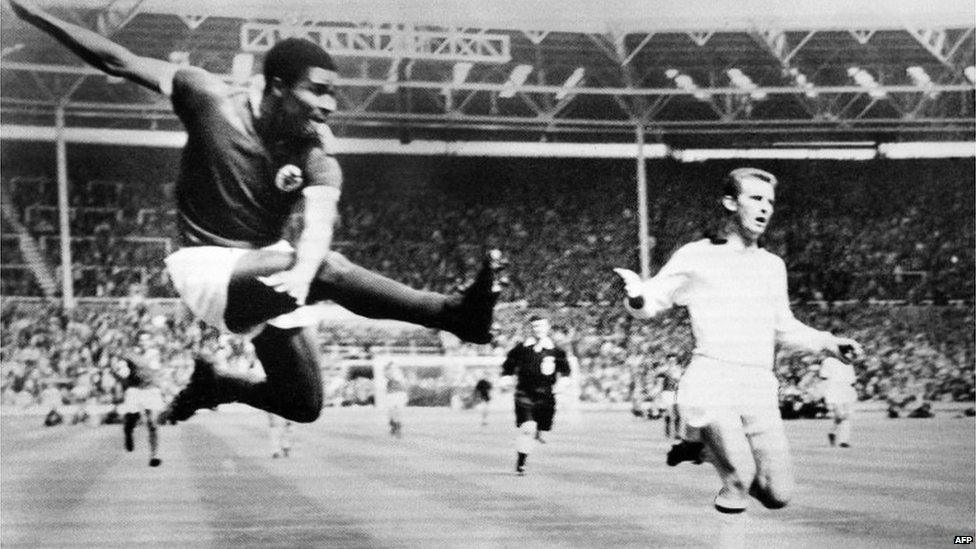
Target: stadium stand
x,y
904,266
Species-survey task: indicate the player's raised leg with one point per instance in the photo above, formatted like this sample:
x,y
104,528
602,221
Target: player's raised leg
x,y
291,389
467,315
289,357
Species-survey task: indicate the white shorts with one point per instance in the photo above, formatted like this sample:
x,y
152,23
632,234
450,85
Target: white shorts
x,y
201,275
665,399
711,389
840,395
397,399
136,400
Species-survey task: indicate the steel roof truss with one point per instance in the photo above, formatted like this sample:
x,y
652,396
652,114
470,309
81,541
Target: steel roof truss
x,y
193,22
700,38
939,44
464,102
42,85
862,36
535,36
117,15
453,44
633,53
601,42
655,106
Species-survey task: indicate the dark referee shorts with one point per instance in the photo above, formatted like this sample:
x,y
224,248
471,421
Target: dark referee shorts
x,y
537,408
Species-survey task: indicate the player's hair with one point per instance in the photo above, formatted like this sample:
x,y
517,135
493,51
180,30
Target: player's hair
x,y
732,183
289,58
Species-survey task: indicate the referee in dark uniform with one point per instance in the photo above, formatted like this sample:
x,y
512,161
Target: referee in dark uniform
x,y
536,363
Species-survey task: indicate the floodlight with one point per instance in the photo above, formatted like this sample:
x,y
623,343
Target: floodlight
x,y
515,80
570,83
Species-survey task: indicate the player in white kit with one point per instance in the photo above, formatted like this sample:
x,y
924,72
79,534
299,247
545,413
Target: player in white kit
x,y
736,295
280,432
143,400
839,393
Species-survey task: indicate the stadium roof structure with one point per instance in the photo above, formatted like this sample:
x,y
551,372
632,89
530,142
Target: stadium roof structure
x,y
690,73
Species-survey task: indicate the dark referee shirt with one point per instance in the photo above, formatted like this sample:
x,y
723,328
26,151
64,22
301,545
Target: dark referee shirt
x,y
535,366
483,389
226,192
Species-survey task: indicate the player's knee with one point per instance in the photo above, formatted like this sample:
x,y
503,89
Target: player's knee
x,y
302,415
528,428
334,267
298,403
305,410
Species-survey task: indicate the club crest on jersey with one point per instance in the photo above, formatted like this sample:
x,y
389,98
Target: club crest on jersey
x,y
548,366
288,178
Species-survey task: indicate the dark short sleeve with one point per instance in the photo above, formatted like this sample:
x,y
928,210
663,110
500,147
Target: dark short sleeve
x,y
197,96
511,361
562,363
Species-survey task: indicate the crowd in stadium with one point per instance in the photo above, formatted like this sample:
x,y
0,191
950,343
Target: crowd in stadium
x,y
848,231
81,353
844,234
926,352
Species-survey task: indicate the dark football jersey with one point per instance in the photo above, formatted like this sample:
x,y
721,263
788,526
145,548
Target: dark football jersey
x,y
483,389
536,371
227,192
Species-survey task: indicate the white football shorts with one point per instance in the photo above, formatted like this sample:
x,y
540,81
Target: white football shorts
x,y
840,394
201,275
711,389
136,400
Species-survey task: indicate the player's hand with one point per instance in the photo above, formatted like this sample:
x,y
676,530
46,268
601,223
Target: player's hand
x,y
633,285
845,347
291,282
289,177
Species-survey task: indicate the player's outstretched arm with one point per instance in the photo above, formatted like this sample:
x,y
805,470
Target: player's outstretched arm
x,y
793,333
649,298
98,51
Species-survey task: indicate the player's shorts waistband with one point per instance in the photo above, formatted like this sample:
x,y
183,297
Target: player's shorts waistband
x,y
702,356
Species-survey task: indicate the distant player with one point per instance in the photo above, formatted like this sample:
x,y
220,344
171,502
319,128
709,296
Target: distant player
x,y
668,378
396,398
536,364
736,295
281,431
482,396
142,400
840,396
250,160
52,399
